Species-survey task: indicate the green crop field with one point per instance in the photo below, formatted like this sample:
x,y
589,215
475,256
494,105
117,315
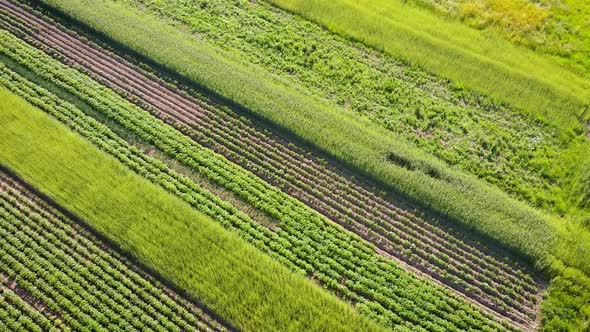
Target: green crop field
x,y
284,165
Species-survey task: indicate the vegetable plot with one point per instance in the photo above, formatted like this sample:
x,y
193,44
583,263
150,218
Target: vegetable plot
x,y
68,275
429,246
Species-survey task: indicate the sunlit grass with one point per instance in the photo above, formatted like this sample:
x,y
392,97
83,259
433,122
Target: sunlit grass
x,y
558,28
485,63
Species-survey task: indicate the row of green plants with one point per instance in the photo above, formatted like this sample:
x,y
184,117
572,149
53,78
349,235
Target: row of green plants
x,y
337,259
514,289
82,283
18,316
517,153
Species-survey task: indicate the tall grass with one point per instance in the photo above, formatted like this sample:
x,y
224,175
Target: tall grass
x,y
238,282
482,62
356,142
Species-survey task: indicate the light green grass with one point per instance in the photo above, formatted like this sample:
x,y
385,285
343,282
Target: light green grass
x,y
566,306
360,144
482,62
558,28
226,274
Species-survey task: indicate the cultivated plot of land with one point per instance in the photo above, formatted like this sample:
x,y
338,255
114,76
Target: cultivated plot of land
x,y
422,243
486,137
216,169
163,232
55,275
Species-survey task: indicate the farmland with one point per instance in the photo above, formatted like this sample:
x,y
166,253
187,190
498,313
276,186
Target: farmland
x,y
290,179
83,285
438,117
223,279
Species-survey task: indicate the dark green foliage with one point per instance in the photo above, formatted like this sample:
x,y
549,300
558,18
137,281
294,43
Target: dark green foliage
x,y
567,305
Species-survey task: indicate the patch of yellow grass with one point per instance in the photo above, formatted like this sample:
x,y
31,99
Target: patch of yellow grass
x,y
516,18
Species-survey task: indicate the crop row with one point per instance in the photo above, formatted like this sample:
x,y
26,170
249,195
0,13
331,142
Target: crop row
x,y
17,315
424,244
64,268
337,259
